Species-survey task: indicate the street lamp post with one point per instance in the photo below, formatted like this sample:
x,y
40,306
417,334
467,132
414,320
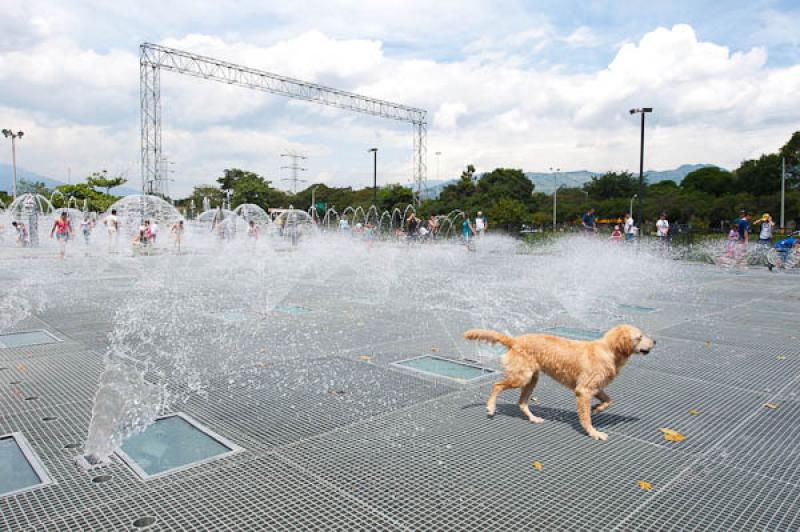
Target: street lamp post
x,y
374,175
555,194
14,136
314,201
630,211
643,111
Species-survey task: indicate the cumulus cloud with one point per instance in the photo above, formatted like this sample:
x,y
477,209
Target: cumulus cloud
x,y
488,106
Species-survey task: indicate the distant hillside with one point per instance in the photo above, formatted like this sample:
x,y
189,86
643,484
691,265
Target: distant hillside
x,y
576,178
7,178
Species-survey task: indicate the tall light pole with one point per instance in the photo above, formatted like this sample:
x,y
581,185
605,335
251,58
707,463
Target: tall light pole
x,y
314,201
14,136
374,175
555,194
783,189
643,111
630,211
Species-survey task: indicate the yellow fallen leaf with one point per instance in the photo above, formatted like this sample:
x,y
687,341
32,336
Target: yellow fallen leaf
x,y
537,466
262,365
435,349
694,411
672,435
780,358
22,368
263,349
771,406
708,343
365,358
646,486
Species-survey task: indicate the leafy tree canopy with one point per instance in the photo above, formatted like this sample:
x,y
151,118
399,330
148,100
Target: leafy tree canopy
x,y
711,180
102,180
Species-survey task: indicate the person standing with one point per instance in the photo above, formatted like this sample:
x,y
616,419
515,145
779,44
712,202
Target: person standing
x,y
481,225
86,229
412,225
743,223
662,228
23,240
467,230
154,230
588,222
112,225
629,227
177,234
767,226
62,228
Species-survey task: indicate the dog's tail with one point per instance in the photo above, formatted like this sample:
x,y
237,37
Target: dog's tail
x,y
493,337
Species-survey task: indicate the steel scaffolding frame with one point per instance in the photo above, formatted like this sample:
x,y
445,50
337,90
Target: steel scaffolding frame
x,y
155,57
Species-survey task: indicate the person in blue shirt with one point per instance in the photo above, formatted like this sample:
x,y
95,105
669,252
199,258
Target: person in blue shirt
x,y
743,223
588,222
783,248
467,230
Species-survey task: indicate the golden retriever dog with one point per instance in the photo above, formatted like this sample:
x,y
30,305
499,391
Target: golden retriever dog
x,y
584,367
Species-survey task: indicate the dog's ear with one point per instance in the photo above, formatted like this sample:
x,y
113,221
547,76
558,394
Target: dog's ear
x,y
620,341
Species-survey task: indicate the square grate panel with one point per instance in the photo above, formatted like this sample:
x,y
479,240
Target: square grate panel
x,y
173,443
20,469
445,367
575,333
25,339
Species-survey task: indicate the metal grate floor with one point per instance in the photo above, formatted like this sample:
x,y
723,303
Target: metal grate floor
x,y
340,439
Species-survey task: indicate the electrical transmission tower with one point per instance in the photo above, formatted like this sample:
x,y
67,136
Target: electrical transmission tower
x,y
295,168
155,58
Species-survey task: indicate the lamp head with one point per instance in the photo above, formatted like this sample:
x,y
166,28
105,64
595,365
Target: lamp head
x,y
19,134
6,133
372,150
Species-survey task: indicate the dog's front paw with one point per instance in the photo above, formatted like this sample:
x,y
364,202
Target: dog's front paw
x,y
490,411
534,419
597,435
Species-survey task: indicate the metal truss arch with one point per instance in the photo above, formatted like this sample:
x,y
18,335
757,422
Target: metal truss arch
x,y
155,57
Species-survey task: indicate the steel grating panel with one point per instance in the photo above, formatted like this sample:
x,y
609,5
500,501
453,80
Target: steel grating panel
x,y
726,332
749,368
720,498
264,494
289,401
445,466
41,383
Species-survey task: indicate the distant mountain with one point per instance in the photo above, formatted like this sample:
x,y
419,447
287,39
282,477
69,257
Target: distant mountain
x,y
7,178
544,180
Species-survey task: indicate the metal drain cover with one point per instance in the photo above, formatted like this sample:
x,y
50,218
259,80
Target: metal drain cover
x,y
445,367
24,339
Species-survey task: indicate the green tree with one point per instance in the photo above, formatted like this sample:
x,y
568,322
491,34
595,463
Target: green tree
x,y
101,180
612,185
249,187
509,213
36,187
97,201
760,176
711,180
506,183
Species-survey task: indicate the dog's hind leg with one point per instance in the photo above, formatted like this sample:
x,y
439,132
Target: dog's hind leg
x,y
505,384
585,414
525,397
605,402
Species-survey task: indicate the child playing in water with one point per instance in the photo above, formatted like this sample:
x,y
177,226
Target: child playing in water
x,y
616,234
177,234
733,238
62,228
86,229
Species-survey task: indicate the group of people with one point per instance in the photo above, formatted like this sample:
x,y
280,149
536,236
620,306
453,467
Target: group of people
x,y
416,229
629,231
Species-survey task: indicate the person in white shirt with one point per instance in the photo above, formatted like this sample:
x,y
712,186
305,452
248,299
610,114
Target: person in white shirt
x,y
154,230
629,233
767,225
662,226
481,225
112,225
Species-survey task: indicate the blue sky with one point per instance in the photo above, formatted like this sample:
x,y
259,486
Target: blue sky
x,y
523,84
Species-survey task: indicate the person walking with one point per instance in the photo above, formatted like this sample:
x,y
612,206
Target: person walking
x,y
62,228
467,231
588,222
86,230
481,224
112,226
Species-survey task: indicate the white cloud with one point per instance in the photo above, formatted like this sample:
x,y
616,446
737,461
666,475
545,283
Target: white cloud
x,y
488,107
